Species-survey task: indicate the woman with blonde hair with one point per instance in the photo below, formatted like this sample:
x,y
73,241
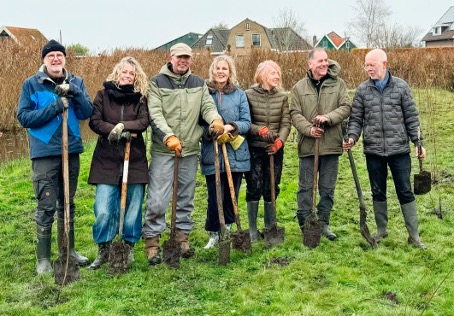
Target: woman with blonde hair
x,y
120,109
231,103
270,127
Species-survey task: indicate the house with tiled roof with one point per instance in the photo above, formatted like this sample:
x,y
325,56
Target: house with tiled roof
x,y
441,34
332,41
21,35
248,35
214,40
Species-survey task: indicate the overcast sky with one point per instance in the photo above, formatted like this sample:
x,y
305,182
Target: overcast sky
x,y
107,24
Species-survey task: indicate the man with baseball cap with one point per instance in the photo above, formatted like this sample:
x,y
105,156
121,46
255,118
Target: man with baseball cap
x,y
177,100
41,104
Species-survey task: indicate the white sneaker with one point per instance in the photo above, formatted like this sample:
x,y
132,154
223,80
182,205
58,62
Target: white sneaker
x,y
213,241
228,226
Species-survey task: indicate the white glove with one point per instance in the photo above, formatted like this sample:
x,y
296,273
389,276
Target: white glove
x,y
115,133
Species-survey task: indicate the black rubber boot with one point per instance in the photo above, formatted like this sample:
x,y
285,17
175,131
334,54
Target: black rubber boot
x,y
268,216
381,219
131,251
43,249
325,230
102,257
252,210
411,223
82,260
301,216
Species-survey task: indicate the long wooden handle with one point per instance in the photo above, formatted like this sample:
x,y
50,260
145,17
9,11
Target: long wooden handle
x,y
217,175
65,165
231,186
174,195
124,186
314,186
272,183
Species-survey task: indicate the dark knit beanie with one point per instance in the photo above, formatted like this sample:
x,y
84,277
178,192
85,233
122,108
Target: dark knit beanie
x,y
53,46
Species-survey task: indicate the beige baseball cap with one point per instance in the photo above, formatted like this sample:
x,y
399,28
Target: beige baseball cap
x,y
180,49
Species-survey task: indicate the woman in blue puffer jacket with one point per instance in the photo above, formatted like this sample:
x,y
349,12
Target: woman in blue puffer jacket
x,y
232,105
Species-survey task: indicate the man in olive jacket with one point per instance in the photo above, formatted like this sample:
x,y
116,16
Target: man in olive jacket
x,y
319,104
177,100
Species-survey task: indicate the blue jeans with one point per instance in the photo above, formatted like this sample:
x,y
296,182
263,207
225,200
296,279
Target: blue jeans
x,y
400,166
327,170
107,212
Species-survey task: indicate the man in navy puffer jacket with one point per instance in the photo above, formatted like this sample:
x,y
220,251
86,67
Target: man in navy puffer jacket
x,y
385,112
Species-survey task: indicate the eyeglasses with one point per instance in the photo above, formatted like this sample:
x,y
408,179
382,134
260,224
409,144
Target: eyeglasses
x,y
58,56
367,66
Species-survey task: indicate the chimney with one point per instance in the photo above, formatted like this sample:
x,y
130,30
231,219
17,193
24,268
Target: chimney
x,y
314,40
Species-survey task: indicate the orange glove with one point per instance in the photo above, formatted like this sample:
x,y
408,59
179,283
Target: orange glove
x,y
267,135
273,148
216,128
173,143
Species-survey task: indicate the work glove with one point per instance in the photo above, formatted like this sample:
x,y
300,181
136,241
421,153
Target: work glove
x,y
61,104
236,141
273,148
216,128
67,90
225,138
173,143
267,135
115,133
126,136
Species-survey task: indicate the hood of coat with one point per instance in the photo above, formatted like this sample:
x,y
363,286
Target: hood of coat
x,y
227,89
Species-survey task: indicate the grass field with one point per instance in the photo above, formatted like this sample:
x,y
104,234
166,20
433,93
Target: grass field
x,y
344,277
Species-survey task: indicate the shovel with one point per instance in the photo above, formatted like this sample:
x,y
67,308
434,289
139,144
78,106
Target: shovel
x,y
119,251
362,205
224,238
312,229
273,234
66,267
422,181
171,247
241,239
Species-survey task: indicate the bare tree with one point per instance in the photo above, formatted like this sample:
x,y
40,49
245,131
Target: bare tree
x,y
287,29
397,36
221,26
370,19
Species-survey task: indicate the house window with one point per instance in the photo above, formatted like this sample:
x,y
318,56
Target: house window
x,y
247,27
239,40
209,40
347,45
437,30
325,44
256,40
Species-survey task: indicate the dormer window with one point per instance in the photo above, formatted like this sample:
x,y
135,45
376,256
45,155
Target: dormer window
x,y
209,40
436,30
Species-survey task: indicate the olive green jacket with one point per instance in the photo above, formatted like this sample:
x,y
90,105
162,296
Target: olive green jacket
x,y
332,101
178,105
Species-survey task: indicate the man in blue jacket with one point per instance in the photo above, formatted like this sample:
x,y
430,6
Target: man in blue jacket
x,y
40,111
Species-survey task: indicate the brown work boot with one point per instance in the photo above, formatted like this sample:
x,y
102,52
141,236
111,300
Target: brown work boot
x,y
153,251
183,239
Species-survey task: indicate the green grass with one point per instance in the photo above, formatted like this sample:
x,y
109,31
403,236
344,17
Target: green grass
x,y
344,277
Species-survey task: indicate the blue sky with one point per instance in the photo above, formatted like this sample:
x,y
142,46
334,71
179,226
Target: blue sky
x,y
107,24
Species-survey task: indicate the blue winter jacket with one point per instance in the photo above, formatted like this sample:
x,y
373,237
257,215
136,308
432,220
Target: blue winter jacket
x,y
40,113
233,106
